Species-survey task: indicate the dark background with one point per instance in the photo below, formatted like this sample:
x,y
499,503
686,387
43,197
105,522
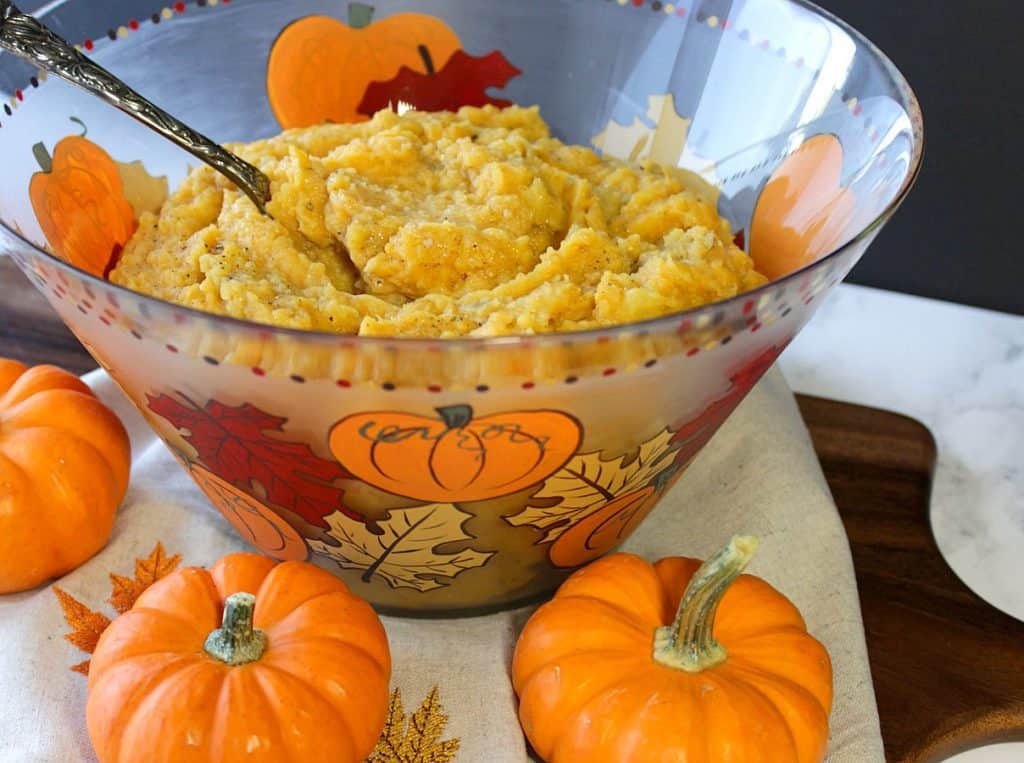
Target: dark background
x,y
952,238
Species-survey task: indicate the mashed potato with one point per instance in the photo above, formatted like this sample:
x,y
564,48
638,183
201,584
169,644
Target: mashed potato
x,y
475,223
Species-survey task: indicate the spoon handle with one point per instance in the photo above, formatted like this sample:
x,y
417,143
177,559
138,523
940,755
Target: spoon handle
x,y
27,38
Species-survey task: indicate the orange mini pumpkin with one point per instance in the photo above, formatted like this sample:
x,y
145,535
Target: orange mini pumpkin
x,y
64,462
250,660
672,661
319,68
454,458
79,202
258,524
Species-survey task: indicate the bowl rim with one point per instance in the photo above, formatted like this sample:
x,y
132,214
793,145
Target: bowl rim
x,y
650,326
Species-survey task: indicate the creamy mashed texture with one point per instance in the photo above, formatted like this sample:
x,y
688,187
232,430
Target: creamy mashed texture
x,y
475,223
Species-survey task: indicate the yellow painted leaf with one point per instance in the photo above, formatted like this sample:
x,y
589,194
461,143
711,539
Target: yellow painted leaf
x,y
142,191
403,554
588,482
665,143
419,739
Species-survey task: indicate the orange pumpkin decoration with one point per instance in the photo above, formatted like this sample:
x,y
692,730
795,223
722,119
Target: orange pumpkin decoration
x,y
251,660
803,212
454,458
259,525
604,529
79,202
64,462
733,674
598,533
319,68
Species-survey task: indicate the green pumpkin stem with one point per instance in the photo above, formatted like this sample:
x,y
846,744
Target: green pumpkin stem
x,y
236,642
80,123
360,15
455,416
43,157
688,644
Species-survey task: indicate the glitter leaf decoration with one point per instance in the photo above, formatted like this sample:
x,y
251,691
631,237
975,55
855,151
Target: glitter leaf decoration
x,y
419,739
87,625
147,571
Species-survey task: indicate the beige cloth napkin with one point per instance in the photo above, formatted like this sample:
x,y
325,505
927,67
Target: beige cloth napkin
x,y
759,475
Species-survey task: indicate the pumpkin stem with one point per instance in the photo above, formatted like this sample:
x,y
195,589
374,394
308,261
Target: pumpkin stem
x,y
427,60
360,15
455,416
80,123
43,157
236,642
688,644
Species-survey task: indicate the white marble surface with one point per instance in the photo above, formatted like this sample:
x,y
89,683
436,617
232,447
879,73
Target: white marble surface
x,y
960,371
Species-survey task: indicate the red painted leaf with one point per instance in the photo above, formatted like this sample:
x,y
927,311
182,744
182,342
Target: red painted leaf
x,y
694,435
462,82
234,443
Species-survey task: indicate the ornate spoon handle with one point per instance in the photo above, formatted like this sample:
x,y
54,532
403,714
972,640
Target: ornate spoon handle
x,y
27,38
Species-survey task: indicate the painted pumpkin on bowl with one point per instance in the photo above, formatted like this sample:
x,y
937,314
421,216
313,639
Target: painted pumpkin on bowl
x,y
78,199
250,660
598,533
64,463
319,67
258,524
454,457
804,212
677,660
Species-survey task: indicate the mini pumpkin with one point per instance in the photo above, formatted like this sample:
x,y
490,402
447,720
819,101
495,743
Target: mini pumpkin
x,y
80,203
319,68
64,463
250,660
455,457
677,660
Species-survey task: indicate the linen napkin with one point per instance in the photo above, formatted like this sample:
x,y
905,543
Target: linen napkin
x,y
758,475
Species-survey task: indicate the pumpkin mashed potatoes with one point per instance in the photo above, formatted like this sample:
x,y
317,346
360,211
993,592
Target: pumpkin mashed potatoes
x,y
475,223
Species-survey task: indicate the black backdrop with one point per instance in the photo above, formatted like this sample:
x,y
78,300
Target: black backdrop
x,y
952,238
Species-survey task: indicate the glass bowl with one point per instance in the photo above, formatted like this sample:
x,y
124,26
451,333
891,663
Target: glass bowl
x,y
440,476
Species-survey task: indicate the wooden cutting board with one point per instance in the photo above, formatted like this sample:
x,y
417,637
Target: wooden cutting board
x,y
948,669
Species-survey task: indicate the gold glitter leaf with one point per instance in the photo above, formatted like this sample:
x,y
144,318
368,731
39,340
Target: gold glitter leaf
x,y
419,739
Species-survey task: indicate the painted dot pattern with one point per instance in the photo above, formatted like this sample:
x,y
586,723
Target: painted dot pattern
x,y
752,315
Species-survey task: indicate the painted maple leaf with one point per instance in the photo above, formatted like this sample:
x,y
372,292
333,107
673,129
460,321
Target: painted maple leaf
x,y
87,625
661,136
234,443
589,481
691,436
419,740
403,553
463,81
144,192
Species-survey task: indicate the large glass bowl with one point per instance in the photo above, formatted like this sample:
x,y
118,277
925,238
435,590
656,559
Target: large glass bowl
x,y
444,476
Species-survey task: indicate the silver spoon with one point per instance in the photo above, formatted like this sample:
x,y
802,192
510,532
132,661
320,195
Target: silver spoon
x,y
27,38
